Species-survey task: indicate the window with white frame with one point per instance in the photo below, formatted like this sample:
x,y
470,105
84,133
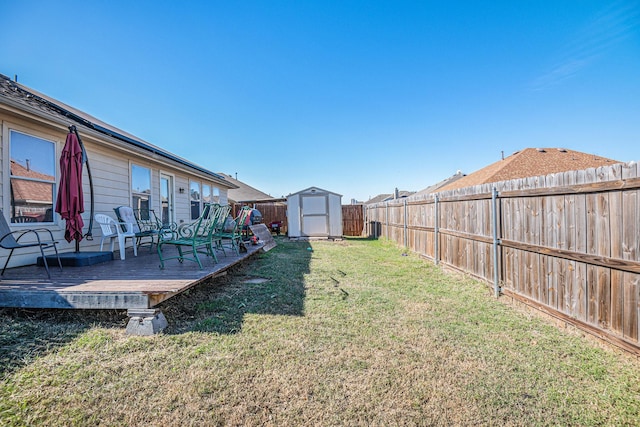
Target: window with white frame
x,y
32,177
200,194
140,188
206,193
195,197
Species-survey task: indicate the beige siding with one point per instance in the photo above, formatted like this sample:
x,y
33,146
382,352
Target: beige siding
x,y
110,165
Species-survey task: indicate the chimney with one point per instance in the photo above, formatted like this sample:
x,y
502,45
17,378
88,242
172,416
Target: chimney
x,y
28,165
396,194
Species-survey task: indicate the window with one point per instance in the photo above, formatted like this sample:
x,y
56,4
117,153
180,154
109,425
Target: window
x,y
206,193
206,196
140,188
194,195
201,194
216,195
33,170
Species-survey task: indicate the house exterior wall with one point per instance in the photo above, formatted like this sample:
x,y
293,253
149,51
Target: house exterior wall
x,y
110,161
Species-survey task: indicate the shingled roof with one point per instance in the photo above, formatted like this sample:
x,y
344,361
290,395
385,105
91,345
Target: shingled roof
x,y
389,196
531,162
24,190
437,186
245,192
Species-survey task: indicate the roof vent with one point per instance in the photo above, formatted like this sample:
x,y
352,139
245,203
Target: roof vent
x,y
541,150
562,150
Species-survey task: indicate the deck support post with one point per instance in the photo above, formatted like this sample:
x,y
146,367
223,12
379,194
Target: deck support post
x,y
145,322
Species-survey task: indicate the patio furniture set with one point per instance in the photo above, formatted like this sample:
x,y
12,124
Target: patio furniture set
x,y
215,230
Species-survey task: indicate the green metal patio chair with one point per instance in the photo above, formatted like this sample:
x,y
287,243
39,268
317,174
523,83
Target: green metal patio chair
x,y
193,237
217,220
221,217
233,235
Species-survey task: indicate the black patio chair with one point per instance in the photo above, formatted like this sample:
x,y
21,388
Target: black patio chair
x,y
10,242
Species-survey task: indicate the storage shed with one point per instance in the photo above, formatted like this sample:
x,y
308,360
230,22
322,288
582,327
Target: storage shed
x,y
314,212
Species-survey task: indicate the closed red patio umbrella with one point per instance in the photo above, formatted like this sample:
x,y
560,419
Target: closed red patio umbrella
x,y
70,201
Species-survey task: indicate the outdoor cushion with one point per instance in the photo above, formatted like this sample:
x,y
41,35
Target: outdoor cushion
x,y
229,224
127,216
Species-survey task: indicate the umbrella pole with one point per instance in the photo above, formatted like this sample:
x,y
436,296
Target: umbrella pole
x,y
85,158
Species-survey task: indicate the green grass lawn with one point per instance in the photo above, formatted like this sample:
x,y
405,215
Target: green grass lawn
x,y
340,333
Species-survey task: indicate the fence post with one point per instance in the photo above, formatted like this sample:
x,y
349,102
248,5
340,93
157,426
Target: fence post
x,y
436,239
406,238
365,217
386,218
496,242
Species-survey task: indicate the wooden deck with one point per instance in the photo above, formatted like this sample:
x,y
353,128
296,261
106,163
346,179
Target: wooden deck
x,y
133,283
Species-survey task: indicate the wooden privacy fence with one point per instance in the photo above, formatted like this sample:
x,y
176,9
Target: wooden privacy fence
x,y
271,211
352,216
352,220
567,243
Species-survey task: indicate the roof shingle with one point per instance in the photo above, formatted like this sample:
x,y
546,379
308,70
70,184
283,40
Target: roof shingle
x,y
531,162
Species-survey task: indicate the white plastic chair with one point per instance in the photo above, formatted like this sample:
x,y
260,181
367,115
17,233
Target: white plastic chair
x,y
111,229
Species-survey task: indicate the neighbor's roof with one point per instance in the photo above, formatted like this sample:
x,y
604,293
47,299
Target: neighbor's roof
x,y
245,192
24,98
389,196
531,162
25,190
437,186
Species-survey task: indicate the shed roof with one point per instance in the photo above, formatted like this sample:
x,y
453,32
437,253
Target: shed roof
x,y
531,162
313,189
20,96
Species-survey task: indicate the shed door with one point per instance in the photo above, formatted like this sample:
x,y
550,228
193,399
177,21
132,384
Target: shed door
x,y
314,211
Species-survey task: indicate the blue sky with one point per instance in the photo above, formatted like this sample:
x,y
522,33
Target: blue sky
x,y
354,97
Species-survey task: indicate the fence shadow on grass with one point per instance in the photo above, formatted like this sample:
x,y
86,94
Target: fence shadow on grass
x,y
269,283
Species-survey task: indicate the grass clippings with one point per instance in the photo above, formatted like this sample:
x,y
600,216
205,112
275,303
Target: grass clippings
x,y
348,333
